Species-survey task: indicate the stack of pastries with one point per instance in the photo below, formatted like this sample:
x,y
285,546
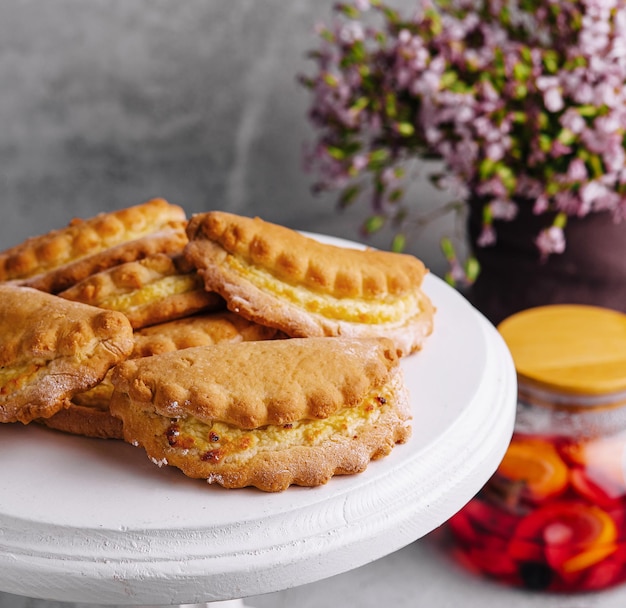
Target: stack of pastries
x,y
239,351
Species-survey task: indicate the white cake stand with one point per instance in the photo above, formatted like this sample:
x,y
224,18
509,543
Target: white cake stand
x,y
84,520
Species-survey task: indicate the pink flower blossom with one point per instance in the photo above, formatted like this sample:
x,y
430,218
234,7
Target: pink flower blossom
x,y
573,121
524,110
454,185
594,195
553,99
503,209
551,240
359,162
541,205
351,32
577,171
487,236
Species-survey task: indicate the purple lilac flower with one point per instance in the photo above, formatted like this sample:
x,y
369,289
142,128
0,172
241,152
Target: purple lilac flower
x,y
523,106
551,240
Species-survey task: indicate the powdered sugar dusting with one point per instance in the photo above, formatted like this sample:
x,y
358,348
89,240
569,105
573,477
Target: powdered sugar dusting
x,y
215,478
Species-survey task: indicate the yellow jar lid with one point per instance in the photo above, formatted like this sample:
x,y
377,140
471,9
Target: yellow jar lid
x,y
573,348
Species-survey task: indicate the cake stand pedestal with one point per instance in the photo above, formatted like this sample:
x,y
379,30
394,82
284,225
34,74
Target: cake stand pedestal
x,y
85,520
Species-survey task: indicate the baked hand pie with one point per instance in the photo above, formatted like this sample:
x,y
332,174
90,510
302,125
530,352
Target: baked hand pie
x,y
88,420
89,414
276,276
155,289
267,414
56,260
51,349
203,329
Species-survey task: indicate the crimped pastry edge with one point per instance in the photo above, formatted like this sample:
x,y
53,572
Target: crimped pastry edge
x,y
169,239
60,247
92,342
132,277
245,298
299,259
275,471
216,238
255,383
88,413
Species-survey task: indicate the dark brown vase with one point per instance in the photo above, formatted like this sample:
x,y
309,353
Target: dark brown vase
x,y
591,270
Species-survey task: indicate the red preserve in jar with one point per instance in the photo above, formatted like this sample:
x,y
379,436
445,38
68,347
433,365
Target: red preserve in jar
x,y
553,516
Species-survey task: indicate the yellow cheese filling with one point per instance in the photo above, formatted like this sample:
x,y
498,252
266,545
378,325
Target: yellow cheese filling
x,y
389,310
219,442
99,396
155,291
15,378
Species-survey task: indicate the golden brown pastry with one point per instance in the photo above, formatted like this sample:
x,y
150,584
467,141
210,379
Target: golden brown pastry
x,y
267,414
51,349
279,277
152,290
86,420
53,261
198,330
89,413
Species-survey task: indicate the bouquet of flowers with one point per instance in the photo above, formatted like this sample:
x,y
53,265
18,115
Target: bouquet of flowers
x,y
523,102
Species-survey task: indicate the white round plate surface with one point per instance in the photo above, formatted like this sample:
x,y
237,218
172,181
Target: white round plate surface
x,y
87,520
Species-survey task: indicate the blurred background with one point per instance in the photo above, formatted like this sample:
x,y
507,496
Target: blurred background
x,y
107,103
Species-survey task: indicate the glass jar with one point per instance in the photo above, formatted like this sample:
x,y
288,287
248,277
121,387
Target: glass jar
x,y
553,516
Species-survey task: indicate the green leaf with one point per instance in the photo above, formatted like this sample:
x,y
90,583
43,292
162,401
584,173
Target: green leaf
x,y
551,61
348,10
487,215
336,152
588,111
327,35
486,168
566,137
377,157
399,172
552,188
364,71
349,195
360,104
395,195
526,54
498,58
406,129
449,279
545,143
521,71
398,244
447,248
373,223
560,220
330,80
390,105
472,269
448,78
595,162
307,82
579,61
355,55
507,176
391,15
521,91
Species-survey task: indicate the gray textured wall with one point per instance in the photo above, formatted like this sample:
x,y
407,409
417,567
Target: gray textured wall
x,y
106,103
